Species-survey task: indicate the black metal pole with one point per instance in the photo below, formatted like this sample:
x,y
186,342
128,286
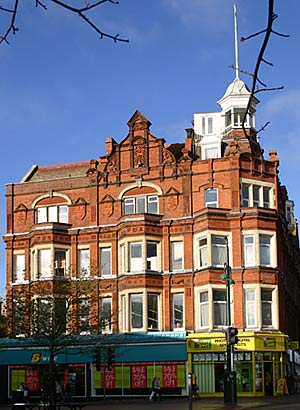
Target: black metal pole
x,y
190,391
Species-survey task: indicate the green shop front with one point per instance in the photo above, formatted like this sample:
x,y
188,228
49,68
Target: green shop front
x,y
137,359
259,362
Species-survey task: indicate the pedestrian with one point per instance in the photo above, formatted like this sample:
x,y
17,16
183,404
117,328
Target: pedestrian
x,y
58,392
156,390
68,395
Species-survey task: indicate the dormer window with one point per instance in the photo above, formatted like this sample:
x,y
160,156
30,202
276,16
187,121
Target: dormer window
x,y
207,125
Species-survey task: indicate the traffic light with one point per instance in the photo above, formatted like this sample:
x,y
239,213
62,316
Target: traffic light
x,y
231,335
110,357
98,359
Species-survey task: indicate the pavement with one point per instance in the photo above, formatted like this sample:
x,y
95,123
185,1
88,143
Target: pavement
x,y
267,403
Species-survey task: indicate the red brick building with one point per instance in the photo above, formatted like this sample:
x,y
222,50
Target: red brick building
x,y
151,225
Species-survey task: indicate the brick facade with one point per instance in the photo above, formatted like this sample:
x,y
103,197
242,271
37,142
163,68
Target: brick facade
x,y
143,165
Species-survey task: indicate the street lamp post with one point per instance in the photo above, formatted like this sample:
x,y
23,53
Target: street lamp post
x,y
230,377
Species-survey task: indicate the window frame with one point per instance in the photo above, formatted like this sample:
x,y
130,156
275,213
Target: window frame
x,y
177,263
177,313
136,298
211,203
205,314
52,213
19,267
105,267
250,308
84,265
105,314
153,316
259,194
258,308
84,316
132,205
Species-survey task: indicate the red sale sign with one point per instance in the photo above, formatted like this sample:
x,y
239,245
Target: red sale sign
x,y
138,377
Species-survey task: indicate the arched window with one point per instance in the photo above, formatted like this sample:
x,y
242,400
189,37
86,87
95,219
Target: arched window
x,y
53,209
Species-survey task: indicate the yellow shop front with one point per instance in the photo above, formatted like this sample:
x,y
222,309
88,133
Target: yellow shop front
x,y
259,363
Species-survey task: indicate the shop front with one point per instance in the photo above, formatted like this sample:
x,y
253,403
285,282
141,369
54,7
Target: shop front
x,y
259,362
137,359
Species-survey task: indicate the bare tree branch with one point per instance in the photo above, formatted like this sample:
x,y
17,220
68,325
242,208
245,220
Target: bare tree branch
x,y
80,11
11,28
268,31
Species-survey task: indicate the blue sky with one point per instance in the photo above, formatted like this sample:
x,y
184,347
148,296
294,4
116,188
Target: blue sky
x,y
63,91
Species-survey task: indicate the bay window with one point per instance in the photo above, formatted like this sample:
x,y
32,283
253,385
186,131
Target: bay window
x,y
259,249
140,311
139,256
48,263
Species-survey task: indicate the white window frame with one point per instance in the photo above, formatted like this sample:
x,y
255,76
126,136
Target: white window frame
x,y
250,308
146,263
209,202
132,298
136,262
204,309
105,261
258,309
250,199
85,304
177,323
151,317
106,322
52,213
19,267
249,250
208,305
36,274
84,259
257,248
126,299
220,249
177,255
209,235
203,252
141,204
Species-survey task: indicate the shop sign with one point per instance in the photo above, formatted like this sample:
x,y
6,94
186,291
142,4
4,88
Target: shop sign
x,y
270,343
293,345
